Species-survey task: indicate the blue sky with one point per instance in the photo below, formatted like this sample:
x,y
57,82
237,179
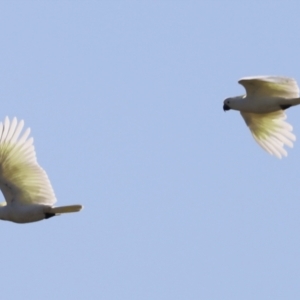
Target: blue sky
x,y
124,99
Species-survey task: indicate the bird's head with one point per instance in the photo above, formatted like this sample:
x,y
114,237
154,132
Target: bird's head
x,y
232,103
226,104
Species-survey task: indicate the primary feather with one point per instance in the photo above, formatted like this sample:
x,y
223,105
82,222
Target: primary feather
x,y
20,174
270,131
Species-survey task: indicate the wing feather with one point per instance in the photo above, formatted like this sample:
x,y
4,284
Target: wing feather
x,y
11,129
274,86
5,130
24,137
21,178
17,132
271,131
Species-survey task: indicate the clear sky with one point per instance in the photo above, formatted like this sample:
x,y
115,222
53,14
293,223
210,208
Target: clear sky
x,y
124,99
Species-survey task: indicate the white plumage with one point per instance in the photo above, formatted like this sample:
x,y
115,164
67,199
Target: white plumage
x,y
263,110
28,193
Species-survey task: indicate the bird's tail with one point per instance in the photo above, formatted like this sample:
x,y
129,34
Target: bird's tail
x,y
294,101
65,209
287,103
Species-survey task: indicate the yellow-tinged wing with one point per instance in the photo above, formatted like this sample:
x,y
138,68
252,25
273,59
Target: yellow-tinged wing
x,y
270,131
21,178
270,86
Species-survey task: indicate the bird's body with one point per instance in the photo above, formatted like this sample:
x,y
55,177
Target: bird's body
x,y
23,213
263,110
261,105
28,193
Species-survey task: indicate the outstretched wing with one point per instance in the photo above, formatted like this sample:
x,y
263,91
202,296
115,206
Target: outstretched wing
x,y
270,131
21,178
274,86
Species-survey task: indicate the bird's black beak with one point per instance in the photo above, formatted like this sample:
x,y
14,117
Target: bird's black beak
x,y
226,107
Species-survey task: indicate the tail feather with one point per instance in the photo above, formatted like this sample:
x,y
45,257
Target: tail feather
x,y
294,101
66,209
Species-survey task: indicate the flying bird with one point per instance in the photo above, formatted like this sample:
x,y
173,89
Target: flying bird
x,y
28,193
263,109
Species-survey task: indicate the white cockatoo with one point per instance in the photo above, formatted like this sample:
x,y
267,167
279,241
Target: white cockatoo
x,y
28,194
263,110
